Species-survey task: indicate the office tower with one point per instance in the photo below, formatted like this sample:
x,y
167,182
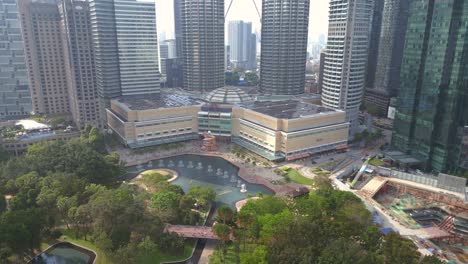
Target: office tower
x,y
203,44
227,58
390,55
137,47
374,41
171,48
163,55
284,46
14,86
174,73
252,54
79,62
242,50
178,27
45,56
321,70
126,48
346,56
431,108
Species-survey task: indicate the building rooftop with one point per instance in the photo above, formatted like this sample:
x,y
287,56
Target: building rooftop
x,y
289,109
157,101
228,95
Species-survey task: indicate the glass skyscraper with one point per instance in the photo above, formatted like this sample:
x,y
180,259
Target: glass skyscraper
x,y
15,98
285,25
203,44
432,103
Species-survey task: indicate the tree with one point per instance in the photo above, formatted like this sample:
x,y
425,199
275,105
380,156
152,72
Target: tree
x,y
147,245
4,154
165,200
3,203
251,78
396,249
258,256
223,232
431,260
96,140
225,214
204,195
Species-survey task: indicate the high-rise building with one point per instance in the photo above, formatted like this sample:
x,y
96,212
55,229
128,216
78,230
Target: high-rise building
x,y
174,73
321,70
137,47
240,40
203,44
345,57
14,86
163,55
171,48
431,109
45,56
178,27
126,48
79,62
390,54
252,54
374,40
285,26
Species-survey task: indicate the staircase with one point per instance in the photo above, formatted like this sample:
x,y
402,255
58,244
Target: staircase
x,y
447,223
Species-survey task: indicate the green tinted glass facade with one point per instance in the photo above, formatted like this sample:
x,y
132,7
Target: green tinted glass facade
x,y
432,103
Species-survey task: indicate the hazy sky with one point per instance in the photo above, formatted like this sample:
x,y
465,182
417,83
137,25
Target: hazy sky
x,y
245,10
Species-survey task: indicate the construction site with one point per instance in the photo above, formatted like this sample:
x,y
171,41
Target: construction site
x,y
432,211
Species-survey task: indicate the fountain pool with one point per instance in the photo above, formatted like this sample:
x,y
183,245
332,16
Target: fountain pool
x,y
207,172
65,253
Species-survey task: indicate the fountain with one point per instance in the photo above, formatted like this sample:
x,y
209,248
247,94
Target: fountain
x,y
199,166
161,163
239,183
210,168
171,164
190,165
181,164
219,172
150,164
233,178
243,189
226,174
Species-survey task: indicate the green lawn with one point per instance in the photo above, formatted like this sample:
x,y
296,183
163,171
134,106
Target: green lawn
x,y
376,162
102,258
297,177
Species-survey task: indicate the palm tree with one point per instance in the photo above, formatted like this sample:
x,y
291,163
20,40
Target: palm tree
x,y
225,214
223,232
244,221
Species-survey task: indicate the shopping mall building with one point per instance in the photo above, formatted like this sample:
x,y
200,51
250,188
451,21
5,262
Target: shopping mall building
x,y
277,130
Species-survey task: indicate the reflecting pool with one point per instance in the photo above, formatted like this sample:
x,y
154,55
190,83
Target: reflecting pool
x,y
65,253
198,170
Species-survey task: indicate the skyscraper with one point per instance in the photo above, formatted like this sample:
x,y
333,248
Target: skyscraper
x,y
252,53
163,55
203,44
126,48
178,27
391,45
14,86
79,62
345,57
240,40
284,46
390,54
431,109
374,41
137,47
45,56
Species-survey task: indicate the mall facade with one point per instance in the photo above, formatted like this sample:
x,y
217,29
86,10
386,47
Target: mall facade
x,y
275,130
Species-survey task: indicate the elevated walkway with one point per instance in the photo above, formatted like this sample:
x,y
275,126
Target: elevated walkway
x,y
191,231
